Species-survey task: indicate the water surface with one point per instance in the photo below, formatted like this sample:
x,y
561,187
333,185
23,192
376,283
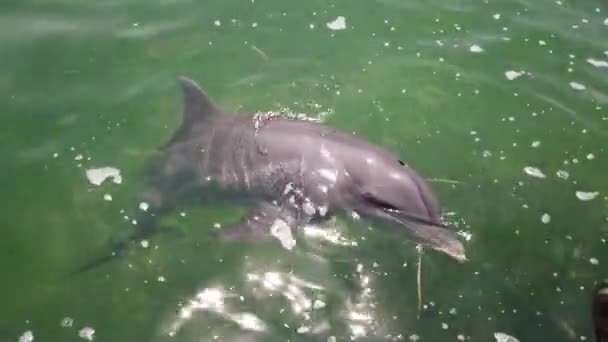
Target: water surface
x,y
470,92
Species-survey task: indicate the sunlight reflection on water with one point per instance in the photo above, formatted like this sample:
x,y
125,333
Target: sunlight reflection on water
x,y
298,302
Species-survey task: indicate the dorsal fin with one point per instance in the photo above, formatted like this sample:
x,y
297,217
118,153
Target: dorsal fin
x,y
197,104
197,107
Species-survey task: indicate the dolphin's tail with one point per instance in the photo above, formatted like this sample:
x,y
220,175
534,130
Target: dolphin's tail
x,y
148,226
118,249
148,223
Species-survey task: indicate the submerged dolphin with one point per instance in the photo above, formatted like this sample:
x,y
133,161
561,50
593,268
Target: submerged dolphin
x,y
291,170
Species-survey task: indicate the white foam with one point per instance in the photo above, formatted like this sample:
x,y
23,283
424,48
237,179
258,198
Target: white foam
x,y
107,197
577,86
562,174
67,322
27,336
535,144
99,175
512,74
338,24
597,63
502,337
143,206
546,218
496,16
586,196
594,261
534,172
87,333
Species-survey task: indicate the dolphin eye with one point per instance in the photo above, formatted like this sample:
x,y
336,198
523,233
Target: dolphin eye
x,y
379,203
401,162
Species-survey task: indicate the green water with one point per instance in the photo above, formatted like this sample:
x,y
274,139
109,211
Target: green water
x,y
97,80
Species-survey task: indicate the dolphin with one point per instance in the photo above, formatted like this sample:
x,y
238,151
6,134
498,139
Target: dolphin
x,y
289,170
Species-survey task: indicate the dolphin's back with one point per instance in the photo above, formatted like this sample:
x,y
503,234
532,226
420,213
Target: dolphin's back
x,y
309,134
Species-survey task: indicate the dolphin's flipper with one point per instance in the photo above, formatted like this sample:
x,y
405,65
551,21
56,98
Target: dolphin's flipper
x,y
257,225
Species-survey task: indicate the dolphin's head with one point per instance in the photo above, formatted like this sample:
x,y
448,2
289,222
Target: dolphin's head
x,y
389,191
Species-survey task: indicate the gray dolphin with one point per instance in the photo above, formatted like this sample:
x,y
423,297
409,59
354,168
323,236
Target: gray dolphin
x,y
292,170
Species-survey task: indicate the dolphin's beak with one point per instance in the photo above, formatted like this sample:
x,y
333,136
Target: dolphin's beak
x,y
428,234
438,238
